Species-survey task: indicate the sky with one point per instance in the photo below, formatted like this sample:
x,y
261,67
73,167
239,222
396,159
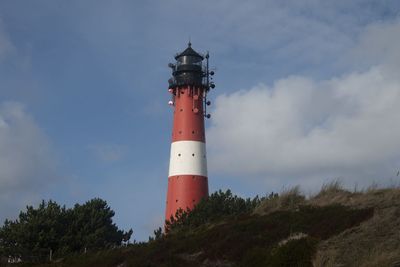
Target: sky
x,y
307,91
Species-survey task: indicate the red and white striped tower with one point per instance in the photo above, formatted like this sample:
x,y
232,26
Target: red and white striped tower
x,y
187,179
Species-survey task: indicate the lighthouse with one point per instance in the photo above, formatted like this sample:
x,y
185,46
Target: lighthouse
x,y
189,85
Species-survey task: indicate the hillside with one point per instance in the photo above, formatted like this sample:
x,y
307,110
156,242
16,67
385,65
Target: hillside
x,y
333,228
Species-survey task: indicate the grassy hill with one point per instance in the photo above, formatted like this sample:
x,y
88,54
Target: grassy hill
x,y
333,228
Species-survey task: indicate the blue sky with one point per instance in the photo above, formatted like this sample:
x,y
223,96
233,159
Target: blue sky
x,y
307,91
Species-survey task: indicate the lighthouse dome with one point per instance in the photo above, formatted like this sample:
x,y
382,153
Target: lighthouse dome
x,y
189,56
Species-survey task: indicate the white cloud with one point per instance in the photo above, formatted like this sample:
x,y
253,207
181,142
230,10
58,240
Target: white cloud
x,y
302,130
26,163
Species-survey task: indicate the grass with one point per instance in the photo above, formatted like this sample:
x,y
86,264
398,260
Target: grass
x,y
289,199
375,242
334,187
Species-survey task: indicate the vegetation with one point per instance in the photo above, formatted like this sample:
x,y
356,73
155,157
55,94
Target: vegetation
x,y
238,240
284,229
54,230
289,199
219,205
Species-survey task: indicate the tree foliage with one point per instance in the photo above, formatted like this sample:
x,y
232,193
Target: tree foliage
x,y
217,206
52,227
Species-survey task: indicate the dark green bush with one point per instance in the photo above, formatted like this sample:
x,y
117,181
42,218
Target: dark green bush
x,y
295,253
217,206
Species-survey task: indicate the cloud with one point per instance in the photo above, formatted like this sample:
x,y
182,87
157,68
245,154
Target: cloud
x,y
378,44
26,163
301,130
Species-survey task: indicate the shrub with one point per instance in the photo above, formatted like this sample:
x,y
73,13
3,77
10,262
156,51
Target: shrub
x,y
219,205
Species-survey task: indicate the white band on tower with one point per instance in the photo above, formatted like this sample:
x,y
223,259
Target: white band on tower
x,y
188,158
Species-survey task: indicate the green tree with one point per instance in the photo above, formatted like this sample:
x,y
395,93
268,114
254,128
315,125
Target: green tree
x,y
92,227
35,232
61,230
9,246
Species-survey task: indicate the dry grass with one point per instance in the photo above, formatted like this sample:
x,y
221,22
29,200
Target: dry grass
x,y
382,258
289,199
330,188
375,242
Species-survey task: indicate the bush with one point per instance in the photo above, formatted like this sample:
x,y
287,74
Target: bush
x,y
294,253
216,207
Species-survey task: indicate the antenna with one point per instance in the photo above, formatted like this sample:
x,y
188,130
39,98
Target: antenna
x,y
209,84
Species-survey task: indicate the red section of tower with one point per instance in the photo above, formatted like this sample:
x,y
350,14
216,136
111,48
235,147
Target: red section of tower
x,y
184,191
188,115
187,181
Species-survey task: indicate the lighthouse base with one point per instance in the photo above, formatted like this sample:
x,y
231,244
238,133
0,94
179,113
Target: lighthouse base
x,y
185,191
